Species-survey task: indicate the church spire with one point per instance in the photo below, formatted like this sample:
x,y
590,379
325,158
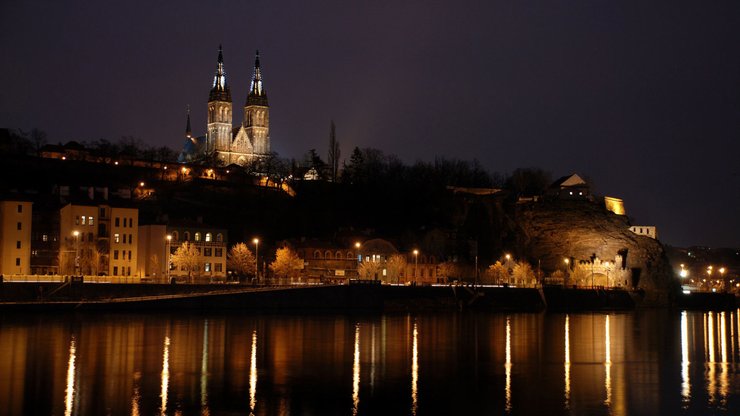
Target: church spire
x,y
220,90
257,94
188,130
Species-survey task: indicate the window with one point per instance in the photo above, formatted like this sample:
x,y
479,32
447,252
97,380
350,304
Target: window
x,y
20,226
83,220
197,236
208,267
350,256
115,270
77,220
219,252
208,237
123,254
218,267
186,236
102,212
118,222
115,254
17,261
90,237
219,238
44,237
20,208
175,235
90,220
328,255
317,254
207,252
129,255
17,244
116,238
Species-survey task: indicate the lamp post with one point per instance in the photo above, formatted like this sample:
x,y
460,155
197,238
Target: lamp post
x,y
722,276
256,242
358,256
508,269
416,264
77,250
169,240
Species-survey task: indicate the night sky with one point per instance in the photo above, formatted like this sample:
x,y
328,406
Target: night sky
x,y
641,97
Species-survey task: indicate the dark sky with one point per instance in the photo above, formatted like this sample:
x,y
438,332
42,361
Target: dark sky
x,y
643,97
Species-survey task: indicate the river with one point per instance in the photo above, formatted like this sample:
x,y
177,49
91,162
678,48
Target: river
x,y
443,363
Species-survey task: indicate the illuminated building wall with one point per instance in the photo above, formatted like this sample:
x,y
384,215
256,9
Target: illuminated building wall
x,y
15,237
646,230
212,243
614,205
98,239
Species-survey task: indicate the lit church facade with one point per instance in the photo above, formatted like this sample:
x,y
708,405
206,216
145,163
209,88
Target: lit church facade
x,y
231,144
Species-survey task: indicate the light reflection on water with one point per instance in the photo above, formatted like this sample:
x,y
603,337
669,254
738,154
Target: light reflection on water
x,y
647,362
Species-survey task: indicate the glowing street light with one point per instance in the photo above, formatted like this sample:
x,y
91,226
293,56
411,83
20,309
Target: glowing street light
x,y
722,275
169,240
256,242
416,264
77,250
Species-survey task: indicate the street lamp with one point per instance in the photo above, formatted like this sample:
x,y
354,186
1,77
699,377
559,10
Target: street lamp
x,y
77,250
416,264
722,275
169,240
256,242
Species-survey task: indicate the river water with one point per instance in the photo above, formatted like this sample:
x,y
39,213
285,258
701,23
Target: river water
x,y
456,363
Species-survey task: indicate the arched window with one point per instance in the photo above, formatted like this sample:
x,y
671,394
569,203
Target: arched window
x,y
350,256
197,236
219,238
175,236
423,260
328,254
209,237
186,236
317,254
338,255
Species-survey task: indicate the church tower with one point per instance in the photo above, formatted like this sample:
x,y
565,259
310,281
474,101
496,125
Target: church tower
x,y
257,112
219,110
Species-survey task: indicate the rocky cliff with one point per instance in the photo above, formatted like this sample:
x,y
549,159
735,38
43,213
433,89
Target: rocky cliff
x,y
551,231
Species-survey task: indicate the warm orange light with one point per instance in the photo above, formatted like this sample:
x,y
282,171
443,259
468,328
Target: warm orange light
x,y
184,170
416,252
165,168
141,183
566,261
357,244
115,163
169,237
508,257
75,233
256,241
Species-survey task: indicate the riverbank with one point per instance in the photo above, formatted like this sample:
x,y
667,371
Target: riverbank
x,y
28,296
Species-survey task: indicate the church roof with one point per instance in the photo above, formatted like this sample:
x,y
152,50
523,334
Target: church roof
x,y
220,90
257,94
568,181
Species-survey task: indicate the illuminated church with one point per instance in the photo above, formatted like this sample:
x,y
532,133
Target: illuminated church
x,y
230,144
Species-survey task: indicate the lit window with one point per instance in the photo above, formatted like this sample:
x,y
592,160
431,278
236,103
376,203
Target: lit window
x,y
90,220
44,237
116,238
208,267
83,220
208,237
219,238
197,236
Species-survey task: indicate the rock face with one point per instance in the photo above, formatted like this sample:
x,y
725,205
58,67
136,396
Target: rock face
x,y
551,231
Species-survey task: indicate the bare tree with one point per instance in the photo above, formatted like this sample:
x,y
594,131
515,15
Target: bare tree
x,y
496,274
448,270
395,266
187,257
241,260
523,274
287,264
368,270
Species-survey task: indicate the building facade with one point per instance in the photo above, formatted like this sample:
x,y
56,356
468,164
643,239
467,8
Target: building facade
x,y
646,230
15,237
211,244
98,239
237,144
